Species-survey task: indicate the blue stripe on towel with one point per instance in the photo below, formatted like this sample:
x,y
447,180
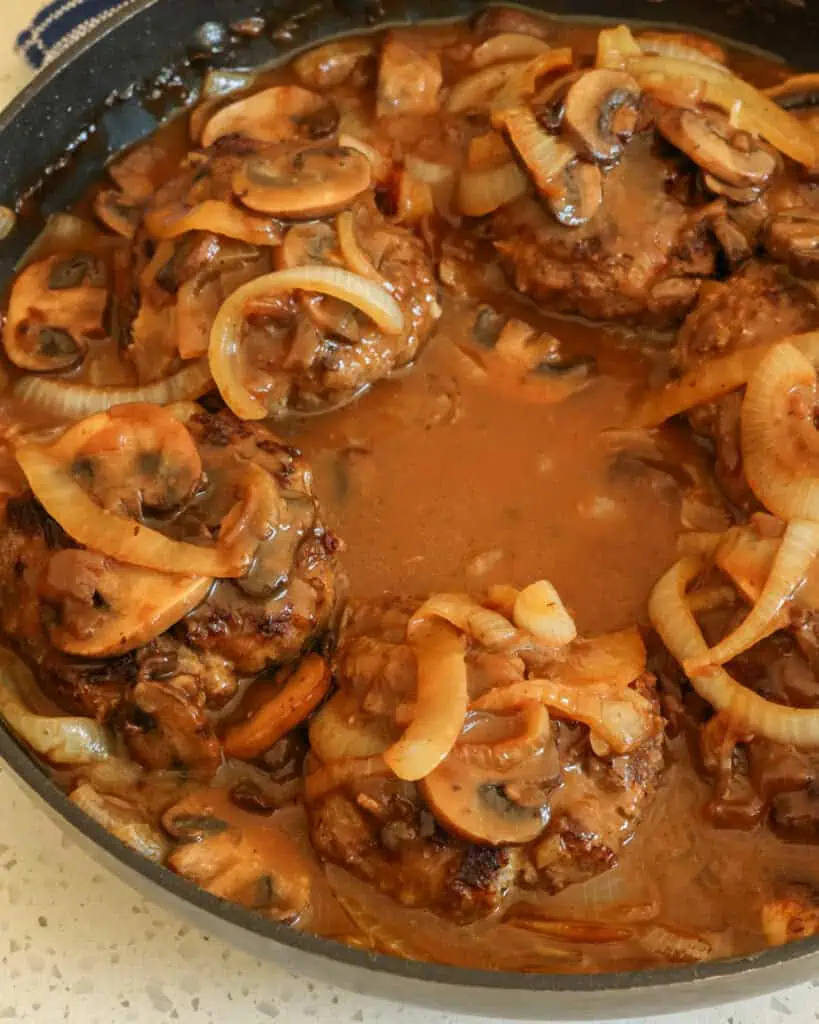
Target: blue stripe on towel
x,y
60,23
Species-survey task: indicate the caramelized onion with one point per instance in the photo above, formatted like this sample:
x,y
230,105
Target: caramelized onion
x,y
354,256
329,777
713,380
502,754
539,611
508,46
615,46
373,300
484,190
678,629
619,716
440,705
68,400
477,92
488,628
61,740
544,155
794,558
217,216
773,456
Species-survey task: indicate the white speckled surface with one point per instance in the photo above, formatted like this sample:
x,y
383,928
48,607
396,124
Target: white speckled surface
x,y
79,946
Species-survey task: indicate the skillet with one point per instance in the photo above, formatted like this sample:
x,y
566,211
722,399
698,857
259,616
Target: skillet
x,y
115,87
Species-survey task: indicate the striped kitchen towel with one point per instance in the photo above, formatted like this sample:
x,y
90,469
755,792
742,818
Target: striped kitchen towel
x,y
59,24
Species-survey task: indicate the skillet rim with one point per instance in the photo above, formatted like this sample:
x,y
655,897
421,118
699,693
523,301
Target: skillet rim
x,y
15,756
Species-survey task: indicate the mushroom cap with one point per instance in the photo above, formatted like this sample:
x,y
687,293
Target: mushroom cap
x,y
55,305
601,111
579,196
303,182
711,142
107,608
279,114
472,802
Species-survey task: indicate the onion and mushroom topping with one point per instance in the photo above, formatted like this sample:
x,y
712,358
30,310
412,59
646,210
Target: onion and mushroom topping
x,y
84,480
56,306
302,183
730,156
601,110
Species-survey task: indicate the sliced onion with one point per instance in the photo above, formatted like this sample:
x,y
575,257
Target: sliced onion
x,y
544,155
113,535
794,89
614,658
217,216
508,46
329,777
674,46
502,754
749,109
67,400
794,558
488,628
770,460
381,166
440,706
485,190
354,256
619,716
373,300
478,91
61,740
122,821
713,380
539,610
615,46
748,712
428,171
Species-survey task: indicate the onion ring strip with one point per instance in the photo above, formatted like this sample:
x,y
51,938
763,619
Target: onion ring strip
x,y
372,299
69,400
441,702
113,535
678,629
354,256
785,494
796,553
713,380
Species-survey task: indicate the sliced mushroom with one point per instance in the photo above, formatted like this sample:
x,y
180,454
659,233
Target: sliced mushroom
x,y
475,804
242,857
330,65
580,194
56,305
732,240
279,114
737,194
133,457
302,183
793,237
106,608
117,213
601,111
732,156
301,691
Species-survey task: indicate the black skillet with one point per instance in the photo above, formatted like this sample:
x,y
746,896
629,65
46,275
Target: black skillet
x,y
112,89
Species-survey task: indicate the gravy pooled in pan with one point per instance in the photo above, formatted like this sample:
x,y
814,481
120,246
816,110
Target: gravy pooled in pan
x,y
409,489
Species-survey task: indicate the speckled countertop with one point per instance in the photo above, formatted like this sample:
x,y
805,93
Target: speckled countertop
x,y
78,945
